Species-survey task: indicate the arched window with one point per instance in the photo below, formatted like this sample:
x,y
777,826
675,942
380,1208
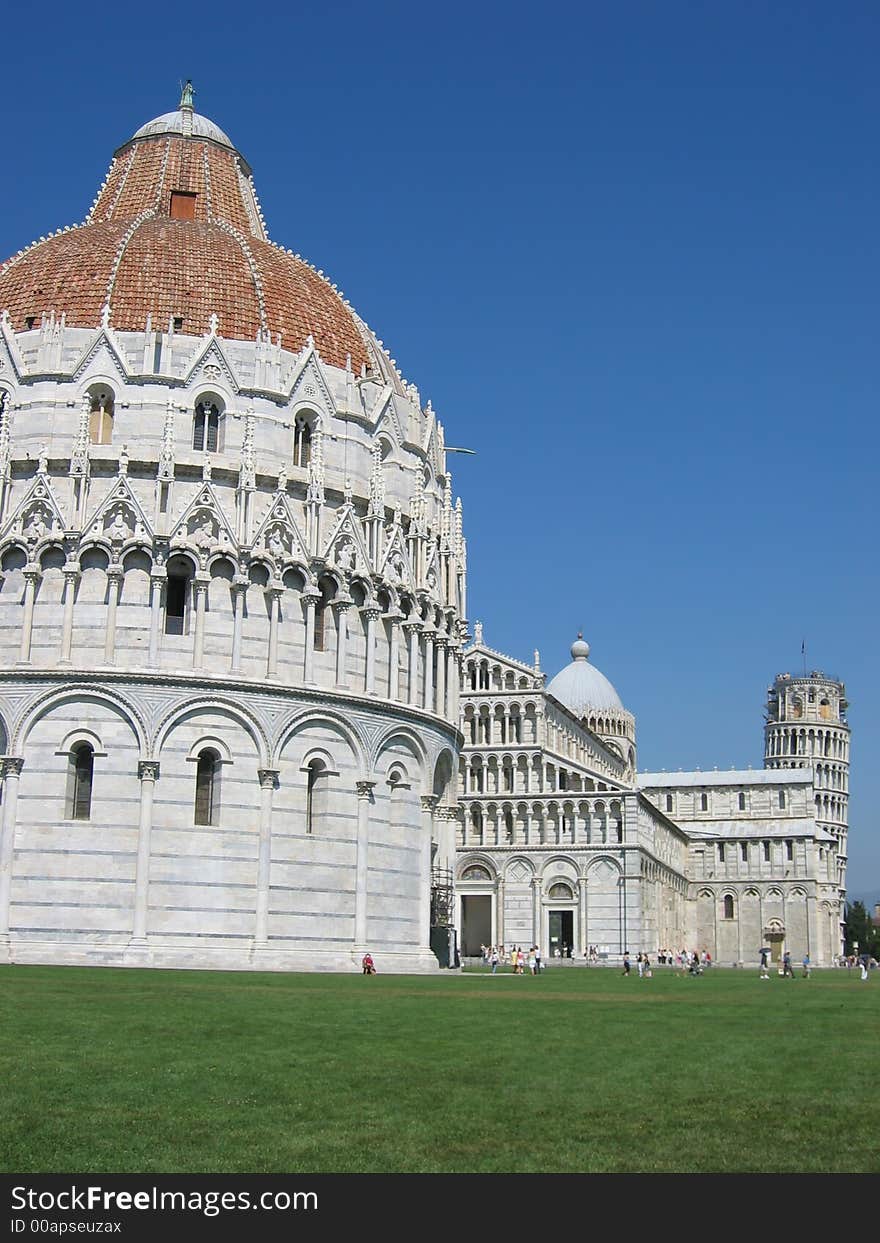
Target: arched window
x,y
302,441
742,801
207,808
704,802
781,798
80,773
508,826
176,595
327,593
315,783
208,426
669,802
101,416
721,852
729,912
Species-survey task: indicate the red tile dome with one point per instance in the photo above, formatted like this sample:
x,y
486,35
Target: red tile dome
x,y
176,233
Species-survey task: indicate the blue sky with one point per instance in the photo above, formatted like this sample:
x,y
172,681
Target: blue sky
x,y
631,254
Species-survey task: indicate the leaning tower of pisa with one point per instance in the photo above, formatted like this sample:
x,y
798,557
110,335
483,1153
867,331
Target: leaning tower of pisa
x,y
806,726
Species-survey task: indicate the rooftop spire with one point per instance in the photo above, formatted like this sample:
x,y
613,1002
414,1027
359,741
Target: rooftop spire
x,y
186,96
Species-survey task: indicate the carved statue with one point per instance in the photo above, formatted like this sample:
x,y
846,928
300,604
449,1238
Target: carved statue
x,y
276,544
395,563
204,536
119,529
346,555
36,528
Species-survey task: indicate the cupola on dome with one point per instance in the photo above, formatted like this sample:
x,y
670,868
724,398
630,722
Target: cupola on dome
x,y
185,121
581,687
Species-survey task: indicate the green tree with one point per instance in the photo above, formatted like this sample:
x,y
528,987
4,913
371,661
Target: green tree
x,y
859,931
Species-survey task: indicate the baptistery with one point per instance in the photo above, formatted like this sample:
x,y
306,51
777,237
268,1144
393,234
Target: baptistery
x,y
232,598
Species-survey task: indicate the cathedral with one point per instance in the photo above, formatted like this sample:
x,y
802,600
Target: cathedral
x,y
564,844
242,724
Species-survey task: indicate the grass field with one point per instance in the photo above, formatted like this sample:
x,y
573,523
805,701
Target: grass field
x,y
577,1070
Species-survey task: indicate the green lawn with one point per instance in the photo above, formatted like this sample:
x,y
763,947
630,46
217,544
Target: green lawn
x,y
577,1070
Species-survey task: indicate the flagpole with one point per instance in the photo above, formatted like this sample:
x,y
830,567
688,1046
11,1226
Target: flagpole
x,y
804,655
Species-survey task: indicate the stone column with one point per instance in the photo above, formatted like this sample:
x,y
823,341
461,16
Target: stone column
x,y
365,798
582,899
341,607
813,943
148,774
274,591
447,827
499,928
372,615
536,911
12,766
429,804
115,575
268,782
441,677
429,670
71,577
238,589
310,598
453,683
413,629
394,657
31,574
200,588
158,578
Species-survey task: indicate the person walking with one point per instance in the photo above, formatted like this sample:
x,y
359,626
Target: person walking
x,y
538,964
493,958
863,967
764,975
807,965
532,968
640,965
626,964
786,966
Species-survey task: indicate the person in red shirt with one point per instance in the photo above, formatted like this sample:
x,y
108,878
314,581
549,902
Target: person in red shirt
x,y
368,965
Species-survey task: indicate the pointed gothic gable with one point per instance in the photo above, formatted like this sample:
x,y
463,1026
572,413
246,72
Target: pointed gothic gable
x,y
203,526
346,548
103,346
310,386
210,364
385,418
278,533
432,573
396,565
11,364
120,516
38,515
432,450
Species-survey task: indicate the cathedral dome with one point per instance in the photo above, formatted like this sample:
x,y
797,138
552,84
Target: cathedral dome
x,y
580,686
176,236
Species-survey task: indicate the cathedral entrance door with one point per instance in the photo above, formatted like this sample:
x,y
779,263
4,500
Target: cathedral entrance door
x,y
561,933
775,934
775,941
476,923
